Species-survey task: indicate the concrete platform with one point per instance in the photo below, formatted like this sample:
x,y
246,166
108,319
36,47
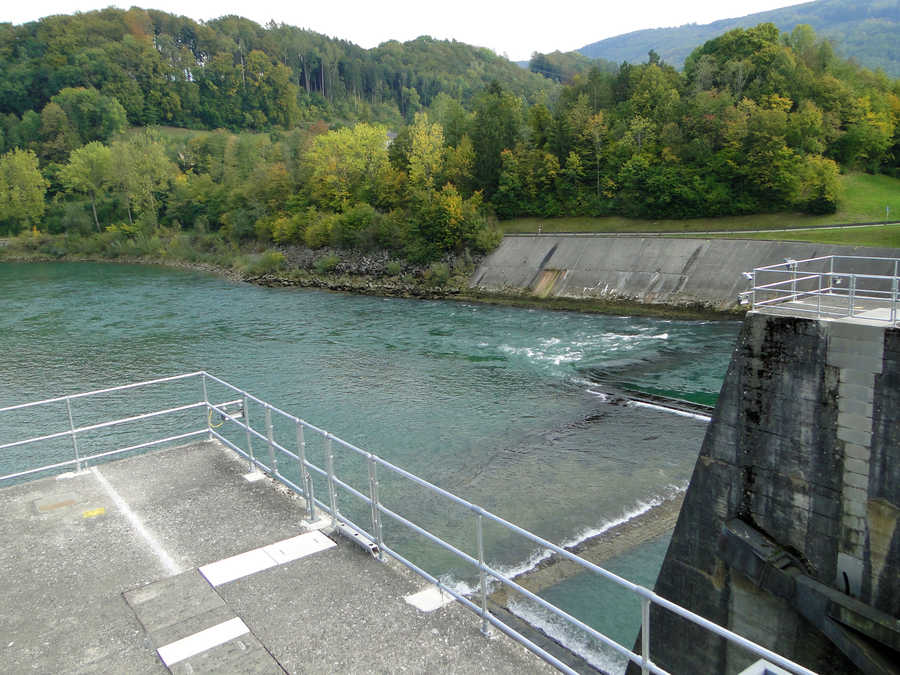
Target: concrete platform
x,y
866,311
101,574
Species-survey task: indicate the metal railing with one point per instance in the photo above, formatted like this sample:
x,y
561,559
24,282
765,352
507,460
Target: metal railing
x,y
296,471
830,286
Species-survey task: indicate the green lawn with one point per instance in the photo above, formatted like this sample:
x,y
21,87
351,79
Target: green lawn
x,y
887,236
864,200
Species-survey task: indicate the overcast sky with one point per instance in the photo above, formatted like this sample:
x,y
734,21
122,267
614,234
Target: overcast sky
x,y
514,29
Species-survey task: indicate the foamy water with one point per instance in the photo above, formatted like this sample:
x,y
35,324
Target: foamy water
x,y
601,656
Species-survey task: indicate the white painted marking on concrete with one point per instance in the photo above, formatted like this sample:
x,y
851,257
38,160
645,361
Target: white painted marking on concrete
x,y
299,547
253,476
237,566
259,559
171,566
200,642
429,600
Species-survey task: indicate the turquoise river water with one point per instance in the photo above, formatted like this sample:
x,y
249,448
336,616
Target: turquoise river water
x,y
514,409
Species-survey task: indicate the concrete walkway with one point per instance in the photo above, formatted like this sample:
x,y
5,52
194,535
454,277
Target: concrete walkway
x,y
111,570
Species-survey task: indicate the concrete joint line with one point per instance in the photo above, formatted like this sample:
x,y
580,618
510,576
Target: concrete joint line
x,y
137,525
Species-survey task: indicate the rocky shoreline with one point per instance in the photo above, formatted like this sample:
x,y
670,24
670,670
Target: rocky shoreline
x,y
370,274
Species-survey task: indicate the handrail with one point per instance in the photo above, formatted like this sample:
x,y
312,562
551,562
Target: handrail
x,y
97,392
821,278
240,422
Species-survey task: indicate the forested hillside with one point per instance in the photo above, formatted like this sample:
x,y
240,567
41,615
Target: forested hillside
x,y
269,154
234,73
864,30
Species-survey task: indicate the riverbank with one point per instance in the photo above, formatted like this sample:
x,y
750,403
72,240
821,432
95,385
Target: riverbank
x,y
371,274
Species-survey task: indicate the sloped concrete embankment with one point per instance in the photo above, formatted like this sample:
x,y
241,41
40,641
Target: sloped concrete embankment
x,y
643,269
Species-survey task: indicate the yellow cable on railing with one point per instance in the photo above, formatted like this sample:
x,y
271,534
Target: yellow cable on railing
x,y
209,421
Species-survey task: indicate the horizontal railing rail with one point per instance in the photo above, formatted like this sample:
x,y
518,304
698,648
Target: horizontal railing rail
x,y
839,286
293,468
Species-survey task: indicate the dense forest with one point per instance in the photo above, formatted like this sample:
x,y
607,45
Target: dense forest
x,y
236,74
863,30
288,137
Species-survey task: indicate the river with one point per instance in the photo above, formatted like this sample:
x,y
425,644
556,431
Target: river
x,y
514,409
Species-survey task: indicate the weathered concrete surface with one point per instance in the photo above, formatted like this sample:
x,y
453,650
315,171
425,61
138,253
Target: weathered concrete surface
x,y
83,590
642,269
803,448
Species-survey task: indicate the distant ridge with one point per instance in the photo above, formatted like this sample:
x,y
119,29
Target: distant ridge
x,y
865,30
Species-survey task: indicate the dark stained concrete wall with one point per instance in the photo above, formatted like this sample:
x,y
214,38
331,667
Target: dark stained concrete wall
x,y
795,434
884,485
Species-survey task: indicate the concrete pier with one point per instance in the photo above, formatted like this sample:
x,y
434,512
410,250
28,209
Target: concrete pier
x,y
790,530
119,569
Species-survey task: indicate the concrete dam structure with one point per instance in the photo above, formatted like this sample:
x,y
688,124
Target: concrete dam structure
x,y
642,269
789,530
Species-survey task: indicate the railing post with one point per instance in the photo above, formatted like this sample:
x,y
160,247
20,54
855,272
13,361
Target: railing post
x,y
831,275
72,430
852,292
894,288
271,438
249,435
482,575
332,492
207,410
793,280
376,514
819,298
753,289
304,474
645,636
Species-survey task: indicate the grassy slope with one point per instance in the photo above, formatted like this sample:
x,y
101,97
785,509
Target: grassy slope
x,y
887,236
864,200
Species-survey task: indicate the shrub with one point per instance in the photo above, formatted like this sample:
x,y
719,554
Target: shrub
x,y
437,274
394,268
327,264
487,239
355,227
268,262
318,231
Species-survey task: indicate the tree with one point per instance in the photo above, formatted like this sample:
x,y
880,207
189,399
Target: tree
x,y
446,222
427,154
819,185
350,166
141,172
22,189
496,127
94,116
867,139
58,136
89,171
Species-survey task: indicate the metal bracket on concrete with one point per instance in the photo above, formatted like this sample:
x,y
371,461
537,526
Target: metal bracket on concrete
x,y
358,539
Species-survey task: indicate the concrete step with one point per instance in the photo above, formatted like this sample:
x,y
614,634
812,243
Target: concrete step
x,y
193,629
